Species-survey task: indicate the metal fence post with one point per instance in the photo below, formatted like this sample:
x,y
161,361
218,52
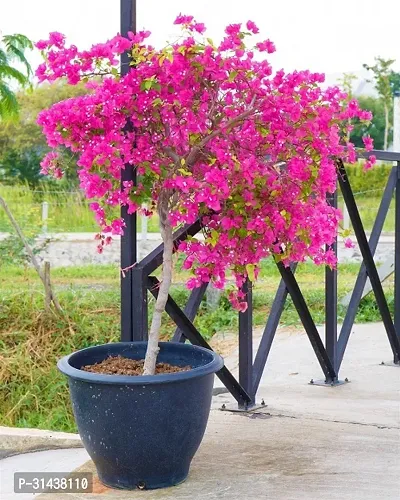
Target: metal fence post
x,y
129,239
397,262
331,300
246,342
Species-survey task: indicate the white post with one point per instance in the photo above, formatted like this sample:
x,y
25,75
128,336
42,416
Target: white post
x,y
45,216
396,122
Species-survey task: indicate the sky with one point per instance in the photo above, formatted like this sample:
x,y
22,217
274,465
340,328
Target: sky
x,y
332,37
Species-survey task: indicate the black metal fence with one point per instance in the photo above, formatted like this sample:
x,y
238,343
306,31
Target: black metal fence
x,y
139,280
135,287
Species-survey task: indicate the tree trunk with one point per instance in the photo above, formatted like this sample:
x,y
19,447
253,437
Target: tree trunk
x,y
385,141
166,279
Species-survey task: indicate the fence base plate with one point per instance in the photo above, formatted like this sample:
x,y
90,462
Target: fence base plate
x,y
389,363
325,383
233,407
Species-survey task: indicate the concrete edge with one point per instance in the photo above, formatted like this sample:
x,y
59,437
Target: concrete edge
x,y
14,441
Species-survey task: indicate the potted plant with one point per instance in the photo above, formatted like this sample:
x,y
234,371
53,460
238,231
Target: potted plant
x,y
213,134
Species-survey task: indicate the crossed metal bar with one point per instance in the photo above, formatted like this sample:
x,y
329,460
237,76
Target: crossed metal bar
x,y
134,312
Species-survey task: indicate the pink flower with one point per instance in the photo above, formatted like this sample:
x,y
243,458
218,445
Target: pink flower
x,y
181,19
58,173
41,44
233,29
199,27
348,243
242,307
368,142
264,152
117,226
56,39
365,115
251,26
120,44
370,162
266,46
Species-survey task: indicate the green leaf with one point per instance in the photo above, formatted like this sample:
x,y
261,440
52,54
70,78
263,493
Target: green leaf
x,y
209,40
250,272
214,237
232,75
184,172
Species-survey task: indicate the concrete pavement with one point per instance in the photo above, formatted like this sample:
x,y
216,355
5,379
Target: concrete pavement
x,y
69,249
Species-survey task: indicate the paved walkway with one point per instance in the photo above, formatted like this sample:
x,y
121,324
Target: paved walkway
x,y
308,443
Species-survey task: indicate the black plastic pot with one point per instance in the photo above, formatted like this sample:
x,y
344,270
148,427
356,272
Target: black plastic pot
x,y
142,432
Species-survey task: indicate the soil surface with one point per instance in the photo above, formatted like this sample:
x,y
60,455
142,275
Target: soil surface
x,y
118,365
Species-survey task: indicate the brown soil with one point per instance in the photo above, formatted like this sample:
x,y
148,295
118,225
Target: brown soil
x,y
118,365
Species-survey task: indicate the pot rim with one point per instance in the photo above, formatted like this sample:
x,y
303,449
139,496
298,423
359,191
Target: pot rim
x,y
213,366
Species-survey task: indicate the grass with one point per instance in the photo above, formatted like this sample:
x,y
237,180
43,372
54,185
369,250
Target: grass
x,y
34,394
69,211
368,207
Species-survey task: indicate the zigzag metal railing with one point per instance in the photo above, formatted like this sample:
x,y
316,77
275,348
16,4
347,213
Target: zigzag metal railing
x,y
134,308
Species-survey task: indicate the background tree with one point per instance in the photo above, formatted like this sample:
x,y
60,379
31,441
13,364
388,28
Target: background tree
x,y
346,82
376,128
12,51
21,167
22,144
394,79
382,77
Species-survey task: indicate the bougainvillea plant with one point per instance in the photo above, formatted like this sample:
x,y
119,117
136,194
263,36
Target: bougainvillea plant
x,y
213,134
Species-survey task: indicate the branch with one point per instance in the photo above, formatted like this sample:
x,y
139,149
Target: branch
x,y
231,123
171,153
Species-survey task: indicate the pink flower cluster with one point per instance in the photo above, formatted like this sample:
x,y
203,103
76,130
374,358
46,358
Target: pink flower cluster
x,y
250,152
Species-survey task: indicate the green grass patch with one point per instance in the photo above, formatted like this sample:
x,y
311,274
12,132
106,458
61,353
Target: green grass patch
x,y
67,211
